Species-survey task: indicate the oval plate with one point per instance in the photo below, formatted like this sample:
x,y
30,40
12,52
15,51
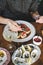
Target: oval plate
x,y
32,28
33,60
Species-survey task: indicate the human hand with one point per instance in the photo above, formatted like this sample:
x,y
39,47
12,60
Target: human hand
x,y
14,26
40,20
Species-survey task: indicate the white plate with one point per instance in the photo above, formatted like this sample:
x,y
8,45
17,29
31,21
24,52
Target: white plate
x,y
33,60
32,28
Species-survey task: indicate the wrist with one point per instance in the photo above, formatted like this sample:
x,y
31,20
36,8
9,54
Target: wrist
x,y
36,17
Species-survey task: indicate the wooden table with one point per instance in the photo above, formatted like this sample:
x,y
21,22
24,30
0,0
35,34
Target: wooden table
x,y
11,46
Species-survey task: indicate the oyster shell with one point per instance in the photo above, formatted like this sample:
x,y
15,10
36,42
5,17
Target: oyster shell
x,y
26,54
34,54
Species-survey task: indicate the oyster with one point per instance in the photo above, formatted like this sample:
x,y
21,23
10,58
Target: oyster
x,y
28,48
18,53
19,60
23,48
26,54
34,54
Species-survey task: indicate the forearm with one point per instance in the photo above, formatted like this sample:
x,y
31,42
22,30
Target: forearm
x,y
34,9
3,20
35,15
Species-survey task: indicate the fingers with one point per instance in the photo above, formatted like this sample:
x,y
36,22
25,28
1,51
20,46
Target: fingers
x,y
40,20
14,28
14,23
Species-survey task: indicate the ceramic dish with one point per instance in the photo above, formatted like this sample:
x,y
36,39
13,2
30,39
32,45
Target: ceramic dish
x,y
26,55
4,56
37,40
12,36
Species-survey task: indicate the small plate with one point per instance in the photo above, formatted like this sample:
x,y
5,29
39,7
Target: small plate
x,y
6,32
37,42
7,58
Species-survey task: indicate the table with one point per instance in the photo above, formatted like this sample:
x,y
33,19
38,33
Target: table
x,y
11,46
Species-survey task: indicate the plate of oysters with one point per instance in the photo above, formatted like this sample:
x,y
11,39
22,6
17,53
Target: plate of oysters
x,y
26,55
4,56
20,36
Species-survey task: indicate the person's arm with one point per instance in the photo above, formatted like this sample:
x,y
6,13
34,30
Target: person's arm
x,y
3,20
2,7
13,26
34,9
35,15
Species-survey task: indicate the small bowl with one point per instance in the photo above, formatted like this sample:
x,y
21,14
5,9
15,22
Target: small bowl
x,y
37,40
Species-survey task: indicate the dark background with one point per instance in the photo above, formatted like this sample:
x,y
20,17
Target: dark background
x,y
20,16
40,8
